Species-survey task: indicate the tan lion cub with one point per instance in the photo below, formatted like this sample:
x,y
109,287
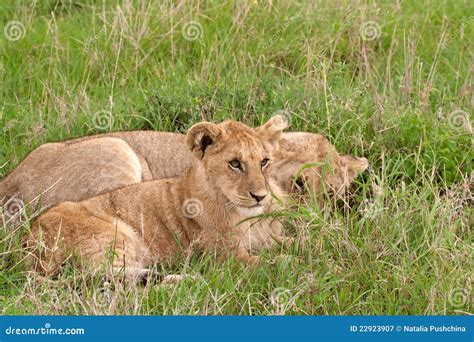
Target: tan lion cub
x,y
156,221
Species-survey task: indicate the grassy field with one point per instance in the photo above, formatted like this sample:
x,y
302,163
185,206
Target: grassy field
x,y
389,80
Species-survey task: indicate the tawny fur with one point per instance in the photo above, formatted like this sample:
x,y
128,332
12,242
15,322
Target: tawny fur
x,y
81,168
328,171
153,222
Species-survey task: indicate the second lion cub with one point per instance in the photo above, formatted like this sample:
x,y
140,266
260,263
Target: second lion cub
x,y
155,221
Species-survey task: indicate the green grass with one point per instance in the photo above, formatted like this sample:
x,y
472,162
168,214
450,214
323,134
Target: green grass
x,y
404,100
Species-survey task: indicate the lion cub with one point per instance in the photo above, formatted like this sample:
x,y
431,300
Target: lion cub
x,y
156,221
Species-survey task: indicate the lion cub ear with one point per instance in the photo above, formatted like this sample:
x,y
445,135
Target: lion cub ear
x,y
200,136
273,129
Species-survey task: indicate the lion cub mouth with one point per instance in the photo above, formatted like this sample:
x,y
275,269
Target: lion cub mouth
x,y
254,210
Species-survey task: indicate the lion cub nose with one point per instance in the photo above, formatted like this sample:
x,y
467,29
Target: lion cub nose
x,y
258,196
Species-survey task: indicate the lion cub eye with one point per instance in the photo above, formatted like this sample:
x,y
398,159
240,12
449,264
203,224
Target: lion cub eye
x,y
264,162
299,184
235,164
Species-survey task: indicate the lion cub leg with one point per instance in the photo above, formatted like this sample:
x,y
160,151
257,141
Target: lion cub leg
x,y
69,231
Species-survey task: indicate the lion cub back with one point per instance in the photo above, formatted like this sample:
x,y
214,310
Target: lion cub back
x,y
57,172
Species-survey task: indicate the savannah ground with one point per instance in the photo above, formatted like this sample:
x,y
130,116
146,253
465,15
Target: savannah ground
x,y
391,81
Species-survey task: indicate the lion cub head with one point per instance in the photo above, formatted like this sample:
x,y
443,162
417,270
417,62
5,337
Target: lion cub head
x,y
309,161
234,159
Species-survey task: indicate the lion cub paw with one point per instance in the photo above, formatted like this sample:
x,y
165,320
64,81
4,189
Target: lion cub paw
x,y
254,260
